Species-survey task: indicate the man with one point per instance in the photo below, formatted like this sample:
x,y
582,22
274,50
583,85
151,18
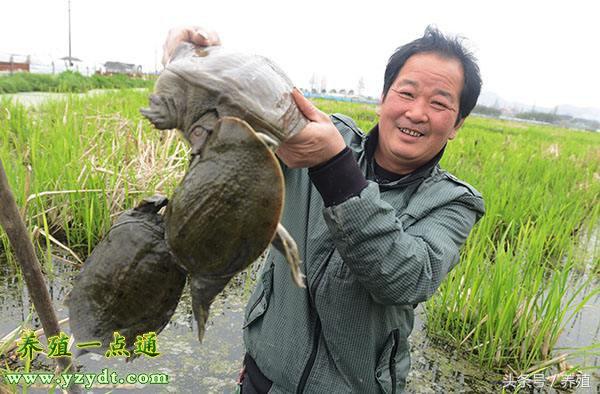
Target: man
x,y
378,225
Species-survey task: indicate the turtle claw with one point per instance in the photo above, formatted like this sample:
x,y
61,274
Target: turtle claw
x,y
284,243
152,204
269,142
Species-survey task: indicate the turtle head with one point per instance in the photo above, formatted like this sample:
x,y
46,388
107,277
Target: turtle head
x,y
168,102
178,104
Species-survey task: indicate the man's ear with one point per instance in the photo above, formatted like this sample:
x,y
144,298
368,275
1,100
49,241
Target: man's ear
x,y
378,107
455,129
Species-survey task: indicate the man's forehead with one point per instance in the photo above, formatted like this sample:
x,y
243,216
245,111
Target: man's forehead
x,y
401,82
444,73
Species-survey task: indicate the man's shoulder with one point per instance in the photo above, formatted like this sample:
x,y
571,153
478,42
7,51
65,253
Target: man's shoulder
x,y
446,186
346,125
445,176
352,134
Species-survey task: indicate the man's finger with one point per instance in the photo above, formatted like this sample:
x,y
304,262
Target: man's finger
x,y
203,37
198,37
306,107
195,34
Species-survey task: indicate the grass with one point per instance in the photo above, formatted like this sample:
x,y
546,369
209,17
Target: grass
x,y
5,367
77,164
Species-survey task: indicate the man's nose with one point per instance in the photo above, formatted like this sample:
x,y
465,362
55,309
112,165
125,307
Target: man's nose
x,y
417,111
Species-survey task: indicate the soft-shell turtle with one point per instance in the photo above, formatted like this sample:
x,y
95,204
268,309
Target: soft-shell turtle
x,y
130,283
202,85
234,109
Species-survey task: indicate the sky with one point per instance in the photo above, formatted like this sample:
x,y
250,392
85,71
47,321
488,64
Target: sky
x,y
542,53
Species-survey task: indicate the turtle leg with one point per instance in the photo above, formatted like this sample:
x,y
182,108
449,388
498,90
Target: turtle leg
x,y
270,142
284,243
152,204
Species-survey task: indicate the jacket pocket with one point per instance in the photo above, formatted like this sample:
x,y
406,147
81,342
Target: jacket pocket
x,y
393,364
259,300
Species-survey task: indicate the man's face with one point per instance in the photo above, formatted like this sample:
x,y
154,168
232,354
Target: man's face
x,y
418,115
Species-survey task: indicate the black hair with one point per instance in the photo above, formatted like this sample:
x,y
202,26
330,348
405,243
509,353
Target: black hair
x,y
449,47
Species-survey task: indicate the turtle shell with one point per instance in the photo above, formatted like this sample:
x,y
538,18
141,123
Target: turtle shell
x,y
202,85
225,211
130,283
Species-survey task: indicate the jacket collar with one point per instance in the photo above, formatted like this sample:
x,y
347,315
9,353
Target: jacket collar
x,y
371,141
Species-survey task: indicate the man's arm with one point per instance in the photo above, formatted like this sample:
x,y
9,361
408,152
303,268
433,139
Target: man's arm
x,y
396,264
400,265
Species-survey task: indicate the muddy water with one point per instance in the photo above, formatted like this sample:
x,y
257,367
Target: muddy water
x,y
584,328
213,366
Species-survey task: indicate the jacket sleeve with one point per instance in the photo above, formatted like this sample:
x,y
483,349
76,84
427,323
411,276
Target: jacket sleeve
x,y
397,264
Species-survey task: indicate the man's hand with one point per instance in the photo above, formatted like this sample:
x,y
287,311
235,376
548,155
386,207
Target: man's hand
x,y
318,142
193,34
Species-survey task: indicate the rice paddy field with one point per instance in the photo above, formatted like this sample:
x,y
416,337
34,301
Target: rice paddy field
x,y
523,301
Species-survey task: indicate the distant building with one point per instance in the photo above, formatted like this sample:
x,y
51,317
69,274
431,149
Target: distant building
x,y
11,63
122,68
333,94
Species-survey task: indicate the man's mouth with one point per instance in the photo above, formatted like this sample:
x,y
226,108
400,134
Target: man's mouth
x,y
411,132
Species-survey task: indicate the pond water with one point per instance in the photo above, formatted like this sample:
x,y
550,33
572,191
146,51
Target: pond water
x,y
30,99
213,366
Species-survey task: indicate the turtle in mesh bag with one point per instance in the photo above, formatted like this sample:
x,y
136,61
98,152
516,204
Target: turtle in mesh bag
x,y
234,110
131,282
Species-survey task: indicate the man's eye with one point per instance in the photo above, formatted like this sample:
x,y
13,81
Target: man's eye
x,y
405,94
439,105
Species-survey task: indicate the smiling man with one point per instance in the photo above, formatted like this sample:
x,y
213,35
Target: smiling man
x,y
379,225
419,113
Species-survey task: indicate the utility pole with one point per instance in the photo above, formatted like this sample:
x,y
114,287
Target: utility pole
x,y
70,58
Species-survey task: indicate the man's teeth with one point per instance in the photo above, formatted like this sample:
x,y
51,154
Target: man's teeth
x,y
410,132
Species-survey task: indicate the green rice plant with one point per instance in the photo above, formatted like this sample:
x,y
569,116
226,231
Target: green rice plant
x,y
76,164
363,114
492,315
541,191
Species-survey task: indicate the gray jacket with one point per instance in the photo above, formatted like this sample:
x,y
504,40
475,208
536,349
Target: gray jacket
x,y
367,261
